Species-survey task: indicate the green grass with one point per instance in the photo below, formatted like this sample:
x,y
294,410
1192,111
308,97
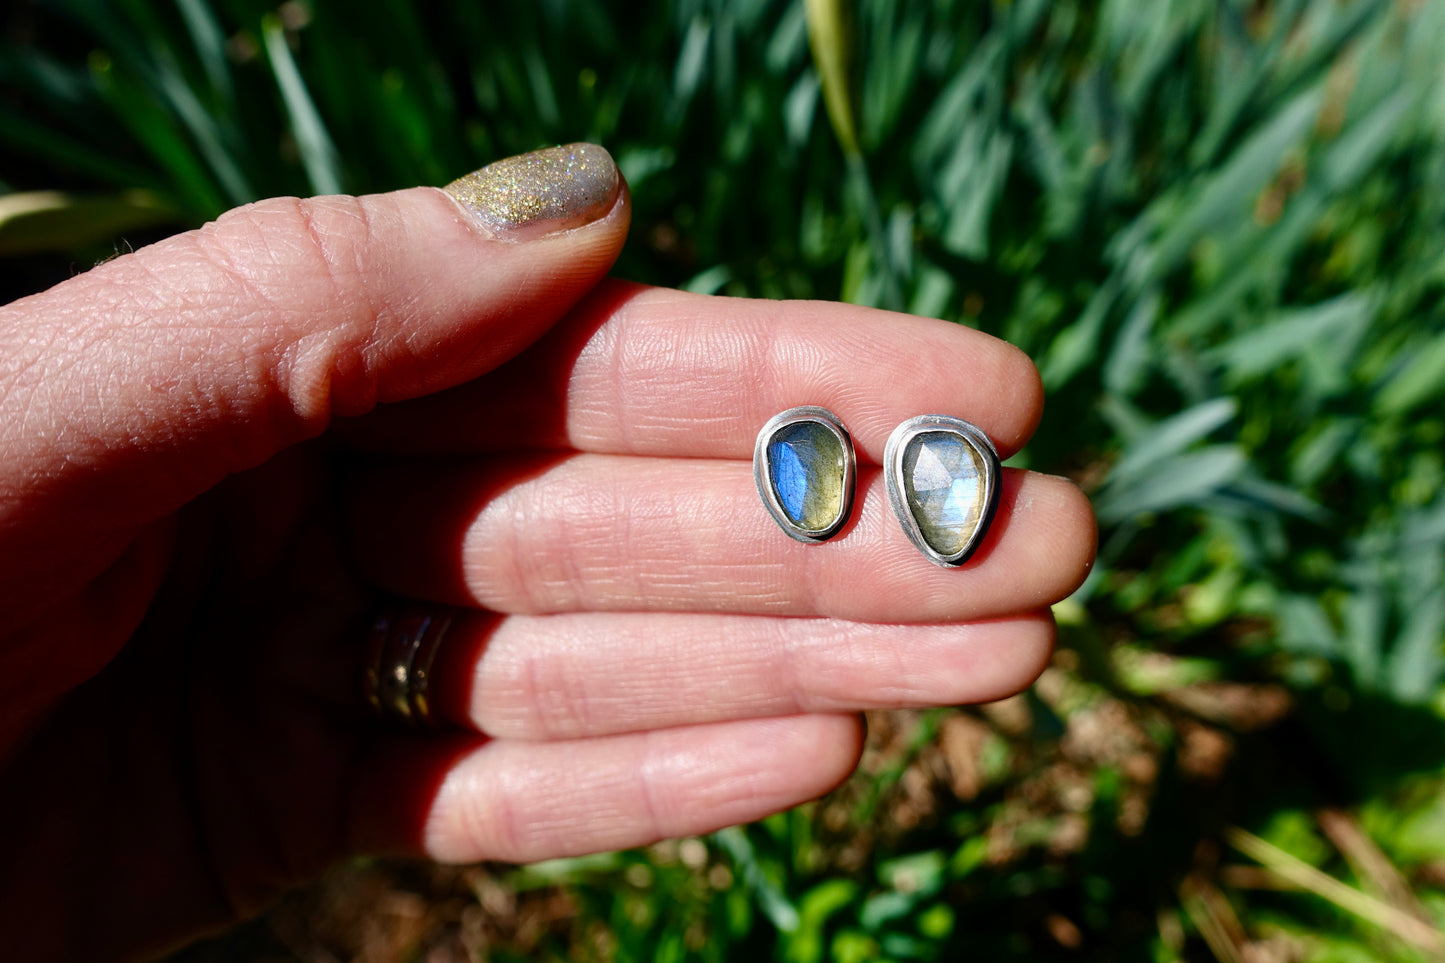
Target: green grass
x,y
1219,229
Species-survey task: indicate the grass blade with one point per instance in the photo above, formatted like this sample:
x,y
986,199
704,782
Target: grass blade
x,y
318,153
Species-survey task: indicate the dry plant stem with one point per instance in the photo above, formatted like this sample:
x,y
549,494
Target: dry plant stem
x,y
1369,862
1347,898
1214,918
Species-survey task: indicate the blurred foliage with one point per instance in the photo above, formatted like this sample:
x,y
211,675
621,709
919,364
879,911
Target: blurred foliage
x,y
1219,228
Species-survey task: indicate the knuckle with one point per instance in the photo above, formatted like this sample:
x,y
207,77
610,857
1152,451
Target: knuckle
x,y
294,282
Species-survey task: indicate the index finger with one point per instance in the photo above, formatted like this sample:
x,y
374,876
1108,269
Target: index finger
x,y
652,371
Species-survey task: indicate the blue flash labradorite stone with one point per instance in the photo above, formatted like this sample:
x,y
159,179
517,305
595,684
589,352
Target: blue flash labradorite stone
x,y
805,470
944,482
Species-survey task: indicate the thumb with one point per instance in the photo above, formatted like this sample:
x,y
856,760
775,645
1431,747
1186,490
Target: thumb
x,y
131,389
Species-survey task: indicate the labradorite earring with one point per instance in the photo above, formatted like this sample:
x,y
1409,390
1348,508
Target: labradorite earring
x,y
942,476
804,465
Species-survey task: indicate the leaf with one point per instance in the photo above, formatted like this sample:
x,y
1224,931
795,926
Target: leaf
x,y
922,873
1420,379
1293,333
799,109
1359,147
1416,663
830,37
1077,345
883,908
1185,480
215,146
1132,353
770,897
973,180
158,131
789,40
318,153
1363,639
550,872
1172,435
1229,193
209,41
806,944
53,221
1278,498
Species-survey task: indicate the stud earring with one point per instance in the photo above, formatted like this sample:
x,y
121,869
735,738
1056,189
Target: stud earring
x,y
804,465
942,476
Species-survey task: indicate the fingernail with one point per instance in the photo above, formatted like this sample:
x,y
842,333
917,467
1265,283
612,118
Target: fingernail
x,y
543,192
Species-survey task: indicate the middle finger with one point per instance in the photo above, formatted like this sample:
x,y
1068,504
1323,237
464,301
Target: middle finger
x,y
600,532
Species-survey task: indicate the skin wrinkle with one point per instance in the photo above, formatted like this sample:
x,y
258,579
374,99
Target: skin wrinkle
x,y
68,357
710,573
571,394
627,516
340,271
563,524
105,351
683,536
249,347
531,695
218,250
604,508
272,333
890,664
566,704
26,349
493,827
527,817
330,371
765,346
628,367
647,782
634,374
520,578
693,353
592,504
406,305
882,663
514,697
785,657
311,365
457,819
730,789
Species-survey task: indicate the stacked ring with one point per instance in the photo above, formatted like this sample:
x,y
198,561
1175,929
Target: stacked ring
x,y
402,647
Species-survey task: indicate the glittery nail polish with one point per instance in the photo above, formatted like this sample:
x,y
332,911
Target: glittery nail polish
x,y
542,192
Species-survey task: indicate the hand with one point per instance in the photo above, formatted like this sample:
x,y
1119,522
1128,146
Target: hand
x,y
200,500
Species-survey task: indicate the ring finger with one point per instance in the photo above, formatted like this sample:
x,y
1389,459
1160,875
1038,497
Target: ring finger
x,y
578,676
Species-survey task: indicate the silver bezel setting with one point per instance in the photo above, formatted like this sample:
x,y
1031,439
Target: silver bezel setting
x,y
762,474
972,435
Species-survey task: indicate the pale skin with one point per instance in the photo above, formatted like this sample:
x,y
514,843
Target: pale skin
x,y
200,502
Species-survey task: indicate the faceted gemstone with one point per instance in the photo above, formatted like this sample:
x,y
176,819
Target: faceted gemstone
x,y
806,467
944,481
